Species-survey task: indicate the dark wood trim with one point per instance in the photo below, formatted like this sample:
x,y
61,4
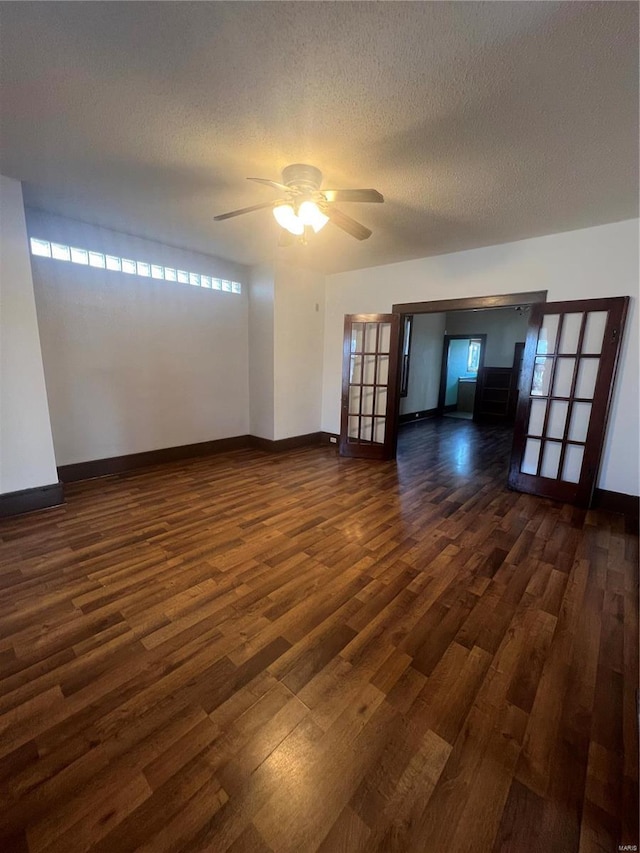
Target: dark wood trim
x,y
579,494
330,438
471,302
496,401
121,464
29,500
466,303
308,440
423,414
359,447
627,505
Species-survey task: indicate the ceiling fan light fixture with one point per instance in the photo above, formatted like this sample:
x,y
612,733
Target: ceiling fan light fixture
x,y
286,217
310,214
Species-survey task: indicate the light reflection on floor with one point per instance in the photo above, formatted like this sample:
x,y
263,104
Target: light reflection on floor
x,y
459,449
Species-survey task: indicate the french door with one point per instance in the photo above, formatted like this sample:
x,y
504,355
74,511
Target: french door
x,y
370,385
566,384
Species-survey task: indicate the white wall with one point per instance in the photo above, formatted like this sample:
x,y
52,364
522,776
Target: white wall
x,y
298,345
425,362
261,358
26,447
134,364
503,328
590,263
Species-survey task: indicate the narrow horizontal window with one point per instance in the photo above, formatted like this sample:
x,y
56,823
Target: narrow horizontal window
x,y
41,248
60,252
87,257
79,256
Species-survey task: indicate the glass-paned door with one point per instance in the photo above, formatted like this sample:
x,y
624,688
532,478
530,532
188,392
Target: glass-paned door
x,y
369,385
566,385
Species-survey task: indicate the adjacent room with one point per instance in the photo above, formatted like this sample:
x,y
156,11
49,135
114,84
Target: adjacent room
x,y
319,427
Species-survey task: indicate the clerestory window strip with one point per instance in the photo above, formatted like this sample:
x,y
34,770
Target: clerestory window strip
x,y
86,257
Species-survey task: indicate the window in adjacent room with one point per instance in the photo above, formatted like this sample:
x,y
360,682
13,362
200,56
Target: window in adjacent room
x,y
473,356
406,348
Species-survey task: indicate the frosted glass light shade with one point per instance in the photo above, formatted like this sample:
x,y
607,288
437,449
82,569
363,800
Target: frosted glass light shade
x,y
310,214
286,217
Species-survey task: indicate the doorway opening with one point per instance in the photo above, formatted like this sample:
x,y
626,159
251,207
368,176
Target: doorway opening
x,y
463,369
462,362
563,395
464,357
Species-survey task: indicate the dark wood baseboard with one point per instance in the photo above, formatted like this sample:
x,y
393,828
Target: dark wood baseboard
x,y
28,500
420,415
121,464
627,505
330,438
291,443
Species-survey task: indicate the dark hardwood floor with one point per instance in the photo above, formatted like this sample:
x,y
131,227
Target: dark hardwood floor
x,y
297,652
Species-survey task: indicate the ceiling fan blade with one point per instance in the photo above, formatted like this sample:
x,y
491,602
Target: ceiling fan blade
x,y
269,183
353,195
243,210
346,223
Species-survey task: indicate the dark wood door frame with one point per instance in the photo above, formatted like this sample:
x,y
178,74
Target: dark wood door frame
x,y
482,337
469,303
466,303
359,446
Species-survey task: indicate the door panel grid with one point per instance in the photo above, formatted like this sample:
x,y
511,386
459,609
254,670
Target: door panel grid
x,y
369,346
570,360
368,399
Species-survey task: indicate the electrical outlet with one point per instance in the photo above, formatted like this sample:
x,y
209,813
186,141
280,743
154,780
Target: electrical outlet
x,y
333,439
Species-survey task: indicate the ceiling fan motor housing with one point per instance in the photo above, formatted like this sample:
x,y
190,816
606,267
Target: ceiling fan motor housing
x,y
302,176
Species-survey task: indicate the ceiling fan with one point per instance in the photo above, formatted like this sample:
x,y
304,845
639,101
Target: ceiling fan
x,y
304,206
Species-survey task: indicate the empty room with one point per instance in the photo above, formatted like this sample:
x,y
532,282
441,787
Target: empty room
x,y
319,427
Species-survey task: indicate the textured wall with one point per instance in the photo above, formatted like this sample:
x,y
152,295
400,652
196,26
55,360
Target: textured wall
x,y
299,329
425,362
503,328
134,364
261,364
26,448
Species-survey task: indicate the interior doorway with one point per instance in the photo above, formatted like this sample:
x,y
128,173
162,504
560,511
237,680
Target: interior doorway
x,y
462,362
474,356
564,389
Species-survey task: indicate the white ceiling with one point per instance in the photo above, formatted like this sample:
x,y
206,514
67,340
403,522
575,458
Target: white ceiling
x,y
481,123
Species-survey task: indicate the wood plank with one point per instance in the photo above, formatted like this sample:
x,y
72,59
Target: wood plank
x,y
256,653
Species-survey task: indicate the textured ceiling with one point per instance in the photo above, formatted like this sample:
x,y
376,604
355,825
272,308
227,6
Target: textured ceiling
x,y
481,123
